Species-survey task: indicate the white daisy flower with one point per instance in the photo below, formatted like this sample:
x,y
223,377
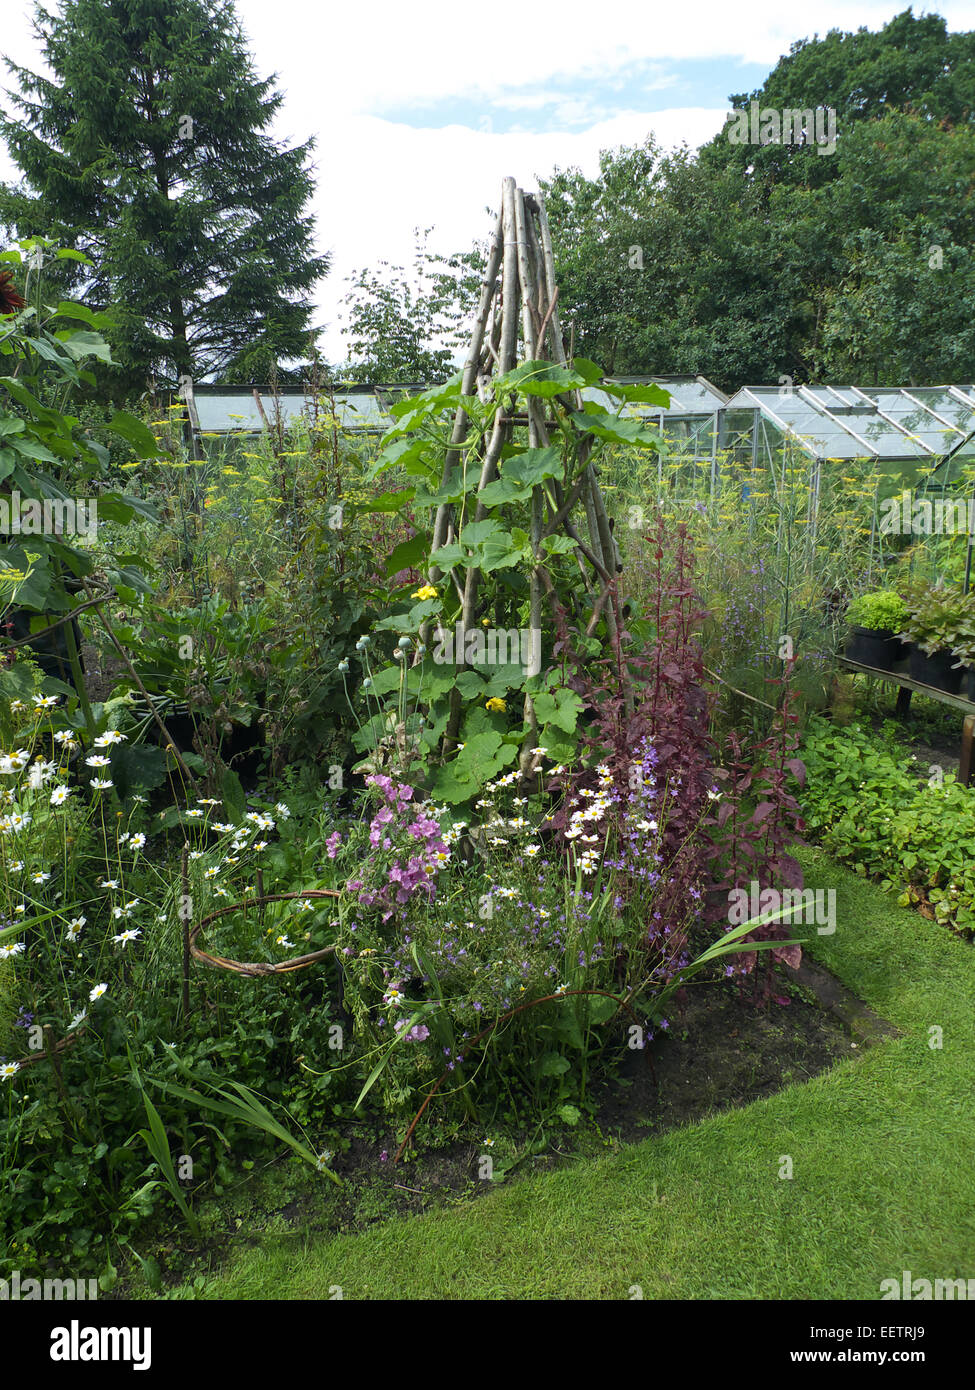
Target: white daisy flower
x,y
97,993
109,737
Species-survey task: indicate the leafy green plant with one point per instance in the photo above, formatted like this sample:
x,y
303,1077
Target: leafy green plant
x,y
880,610
873,805
939,618
451,712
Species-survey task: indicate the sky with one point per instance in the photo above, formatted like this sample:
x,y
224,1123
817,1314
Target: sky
x,y
419,110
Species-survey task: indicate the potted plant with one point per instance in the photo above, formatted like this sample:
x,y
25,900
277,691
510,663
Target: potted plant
x,y
875,620
939,619
963,649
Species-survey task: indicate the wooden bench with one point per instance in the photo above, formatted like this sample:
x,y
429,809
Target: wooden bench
x,y
898,676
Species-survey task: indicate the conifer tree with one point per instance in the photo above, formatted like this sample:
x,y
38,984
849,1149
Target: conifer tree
x,y
148,149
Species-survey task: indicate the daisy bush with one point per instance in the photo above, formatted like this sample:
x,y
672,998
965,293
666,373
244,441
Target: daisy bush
x,y
95,894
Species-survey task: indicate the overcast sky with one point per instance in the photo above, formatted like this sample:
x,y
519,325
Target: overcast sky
x,y
421,109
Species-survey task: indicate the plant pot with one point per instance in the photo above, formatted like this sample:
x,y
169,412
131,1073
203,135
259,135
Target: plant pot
x,y
877,647
936,670
968,690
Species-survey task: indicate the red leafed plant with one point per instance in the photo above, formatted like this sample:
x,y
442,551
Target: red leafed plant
x,y
728,814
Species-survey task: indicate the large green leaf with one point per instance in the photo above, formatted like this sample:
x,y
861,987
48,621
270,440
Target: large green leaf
x,y
85,343
637,395
136,433
615,428
522,473
560,707
541,379
408,554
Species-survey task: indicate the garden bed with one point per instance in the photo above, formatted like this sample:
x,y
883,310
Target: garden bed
x,y
720,1052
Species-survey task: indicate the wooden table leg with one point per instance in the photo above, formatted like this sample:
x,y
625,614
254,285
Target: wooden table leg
x,y
903,707
965,764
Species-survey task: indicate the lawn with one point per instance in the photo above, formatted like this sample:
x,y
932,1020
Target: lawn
x,y
878,1146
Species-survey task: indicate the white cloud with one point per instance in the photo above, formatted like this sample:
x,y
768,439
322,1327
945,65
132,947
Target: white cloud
x,y
445,178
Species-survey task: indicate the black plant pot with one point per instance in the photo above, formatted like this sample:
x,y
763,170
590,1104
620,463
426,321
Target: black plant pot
x,y
969,688
937,670
877,647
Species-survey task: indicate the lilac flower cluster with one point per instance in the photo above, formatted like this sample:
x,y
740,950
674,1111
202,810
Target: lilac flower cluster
x,y
413,836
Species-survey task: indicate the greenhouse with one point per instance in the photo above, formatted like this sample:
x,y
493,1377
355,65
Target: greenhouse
x,y
691,419
891,426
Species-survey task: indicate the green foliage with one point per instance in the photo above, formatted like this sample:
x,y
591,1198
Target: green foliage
x,y
856,265
460,697
940,618
45,455
410,325
880,610
869,803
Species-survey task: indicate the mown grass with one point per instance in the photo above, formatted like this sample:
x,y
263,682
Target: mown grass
x,y
881,1156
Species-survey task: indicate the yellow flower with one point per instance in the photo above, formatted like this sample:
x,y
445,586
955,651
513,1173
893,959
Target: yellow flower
x,y
425,591
496,705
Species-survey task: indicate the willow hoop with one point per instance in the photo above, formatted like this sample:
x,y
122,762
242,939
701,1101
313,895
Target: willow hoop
x,y
259,967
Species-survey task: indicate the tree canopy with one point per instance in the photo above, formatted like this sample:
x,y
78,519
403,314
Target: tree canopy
x,y
757,262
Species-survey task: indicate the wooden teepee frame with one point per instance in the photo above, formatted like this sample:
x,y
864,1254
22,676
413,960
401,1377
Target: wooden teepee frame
x,y
518,291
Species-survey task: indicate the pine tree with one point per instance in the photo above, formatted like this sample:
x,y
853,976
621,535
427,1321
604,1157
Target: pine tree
x,y
148,150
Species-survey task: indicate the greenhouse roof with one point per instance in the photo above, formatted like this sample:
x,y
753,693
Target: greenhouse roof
x,y
223,409
846,422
